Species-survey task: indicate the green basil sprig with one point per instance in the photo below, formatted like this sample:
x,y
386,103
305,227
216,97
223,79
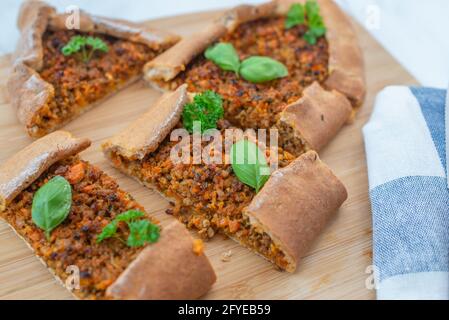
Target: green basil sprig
x,y
224,56
141,231
249,164
297,14
206,108
86,45
51,204
254,69
259,69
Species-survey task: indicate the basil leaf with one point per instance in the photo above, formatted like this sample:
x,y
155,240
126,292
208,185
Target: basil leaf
x,y
295,16
224,55
249,164
259,69
51,204
108,232
129,215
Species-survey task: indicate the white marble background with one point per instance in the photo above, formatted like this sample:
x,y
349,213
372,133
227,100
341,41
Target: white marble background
x,y
415,32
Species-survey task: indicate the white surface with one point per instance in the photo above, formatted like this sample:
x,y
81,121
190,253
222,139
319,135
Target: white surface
x,y
414,31
397,113
415,286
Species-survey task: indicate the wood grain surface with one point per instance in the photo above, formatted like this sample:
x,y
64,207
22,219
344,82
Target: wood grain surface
x,y
335,267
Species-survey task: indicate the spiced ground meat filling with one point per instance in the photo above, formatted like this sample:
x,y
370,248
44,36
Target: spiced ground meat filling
x,y
79,83
249,105
96,201
207,197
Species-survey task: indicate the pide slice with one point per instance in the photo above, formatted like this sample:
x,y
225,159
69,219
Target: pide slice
x,y
279,222
60,71
93,236
328,69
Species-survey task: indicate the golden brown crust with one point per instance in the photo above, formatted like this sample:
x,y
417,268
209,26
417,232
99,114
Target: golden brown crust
x,y
346,64
296,203
317,116
28,92
146,133
173,61
234,17
22,169
166,270
136,32
32,23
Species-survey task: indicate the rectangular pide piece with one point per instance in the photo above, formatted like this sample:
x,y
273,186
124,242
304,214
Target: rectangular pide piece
x,y
279,223
174,267
331,70
61,71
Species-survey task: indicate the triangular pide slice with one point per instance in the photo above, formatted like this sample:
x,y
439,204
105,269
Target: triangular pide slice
x,y
324,87
279,223
60,73
137,260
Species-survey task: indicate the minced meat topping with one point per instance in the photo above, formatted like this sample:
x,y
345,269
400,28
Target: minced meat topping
x,y
249,105
97,199
209,198
78,84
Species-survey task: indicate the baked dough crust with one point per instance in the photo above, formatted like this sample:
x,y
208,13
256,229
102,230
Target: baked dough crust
x,y
28,92
158,272
149,130
23,168
296,203
317,116
168,269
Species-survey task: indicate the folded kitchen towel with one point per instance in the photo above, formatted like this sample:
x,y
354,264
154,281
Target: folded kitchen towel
x,y
406,150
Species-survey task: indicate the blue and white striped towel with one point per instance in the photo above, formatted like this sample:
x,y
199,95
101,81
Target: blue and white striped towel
x,y
406,147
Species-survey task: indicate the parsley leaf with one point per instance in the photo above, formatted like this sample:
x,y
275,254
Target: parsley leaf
x,y
153,233
315,22
108,232
137,233
206,108
140,231
130,216
97,44
85,46
309,14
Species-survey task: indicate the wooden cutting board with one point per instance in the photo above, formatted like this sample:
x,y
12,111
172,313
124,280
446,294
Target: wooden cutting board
x,y
335,267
